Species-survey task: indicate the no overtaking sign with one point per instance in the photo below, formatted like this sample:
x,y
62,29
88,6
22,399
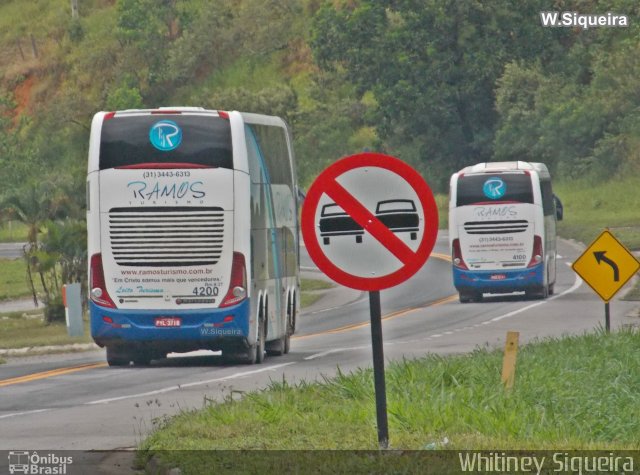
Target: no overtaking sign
x,y
369,221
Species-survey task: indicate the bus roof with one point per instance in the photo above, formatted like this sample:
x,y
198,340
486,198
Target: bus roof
x,y
494,167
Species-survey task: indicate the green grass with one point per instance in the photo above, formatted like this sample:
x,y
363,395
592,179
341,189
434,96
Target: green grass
x,y
27,329
13,231
633,295
13,279
311,290
589,209
579,392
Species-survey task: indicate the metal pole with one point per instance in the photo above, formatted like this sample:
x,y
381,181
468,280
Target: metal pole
x,y
378,368
607,317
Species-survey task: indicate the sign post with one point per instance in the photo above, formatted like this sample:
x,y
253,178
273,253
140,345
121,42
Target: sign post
x,y
606,265
369,222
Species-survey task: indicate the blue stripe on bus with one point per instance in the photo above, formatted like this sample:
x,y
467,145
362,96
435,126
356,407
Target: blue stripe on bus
x,y
508,281
196,324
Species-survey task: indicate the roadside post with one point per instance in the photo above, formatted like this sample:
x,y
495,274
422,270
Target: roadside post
x,y
606,265
369,222
73,309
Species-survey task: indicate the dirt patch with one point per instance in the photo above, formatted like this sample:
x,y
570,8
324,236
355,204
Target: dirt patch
x,y
22,95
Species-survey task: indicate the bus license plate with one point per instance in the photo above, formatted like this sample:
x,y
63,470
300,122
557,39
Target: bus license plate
x,y
168,322
498,276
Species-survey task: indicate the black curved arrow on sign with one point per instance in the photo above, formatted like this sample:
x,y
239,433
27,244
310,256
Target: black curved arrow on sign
x,y
600,257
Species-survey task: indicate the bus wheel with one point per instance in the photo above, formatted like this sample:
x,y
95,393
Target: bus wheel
x,y
276,347
467,297
539,293
260,344
117,356
141,358
287,343
255,354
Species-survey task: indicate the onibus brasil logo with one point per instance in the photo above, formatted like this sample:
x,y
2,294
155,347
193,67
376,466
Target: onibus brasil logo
x,y
494,188
165,135
23,461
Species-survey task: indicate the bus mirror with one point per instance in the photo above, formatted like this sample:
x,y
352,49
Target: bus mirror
x,y
559,208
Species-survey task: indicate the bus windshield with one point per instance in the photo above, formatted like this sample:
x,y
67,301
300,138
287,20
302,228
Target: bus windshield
x,y
204,141
499,187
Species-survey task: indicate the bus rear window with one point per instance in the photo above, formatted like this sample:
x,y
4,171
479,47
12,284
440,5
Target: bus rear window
x,y
489,188
175,139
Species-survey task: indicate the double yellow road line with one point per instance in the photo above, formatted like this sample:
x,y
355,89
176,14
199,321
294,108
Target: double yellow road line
x,y
50,373
73,369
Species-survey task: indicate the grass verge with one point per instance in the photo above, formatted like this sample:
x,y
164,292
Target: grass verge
x,y
27,329
13,279
13,231
633,295
311,290
574,393
589,209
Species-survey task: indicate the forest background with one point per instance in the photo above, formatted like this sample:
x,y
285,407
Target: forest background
x,y
438,83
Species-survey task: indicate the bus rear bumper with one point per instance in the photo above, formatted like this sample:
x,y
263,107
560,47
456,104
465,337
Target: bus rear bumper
x,y
499,281
172,330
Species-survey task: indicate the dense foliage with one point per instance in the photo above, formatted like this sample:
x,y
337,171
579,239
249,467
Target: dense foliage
x,y
439,83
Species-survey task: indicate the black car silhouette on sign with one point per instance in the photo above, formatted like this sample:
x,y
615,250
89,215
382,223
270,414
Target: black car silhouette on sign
x,y
398,215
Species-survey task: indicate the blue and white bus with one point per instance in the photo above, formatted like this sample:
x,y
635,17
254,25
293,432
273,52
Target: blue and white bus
x,y
502,230
192,220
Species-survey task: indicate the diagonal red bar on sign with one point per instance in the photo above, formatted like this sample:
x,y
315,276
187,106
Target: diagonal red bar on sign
x,y
369,222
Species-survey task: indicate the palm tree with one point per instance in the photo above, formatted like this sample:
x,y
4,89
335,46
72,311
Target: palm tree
x,y
33,204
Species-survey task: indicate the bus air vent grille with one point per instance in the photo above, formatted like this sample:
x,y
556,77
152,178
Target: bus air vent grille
x,y
496,227
166,236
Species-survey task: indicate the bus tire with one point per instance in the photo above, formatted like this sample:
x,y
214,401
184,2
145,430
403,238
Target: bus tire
x,y
467,297
141,358
260,344
287,343
117,356
276,347
540,293
255,354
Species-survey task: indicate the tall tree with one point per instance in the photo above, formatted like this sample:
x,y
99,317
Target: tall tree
x,y
432,66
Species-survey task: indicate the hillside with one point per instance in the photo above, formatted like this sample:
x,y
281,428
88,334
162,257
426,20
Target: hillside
x,y
440,86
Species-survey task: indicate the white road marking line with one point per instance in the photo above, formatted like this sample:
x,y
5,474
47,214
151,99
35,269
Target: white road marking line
x,y
577,283
189,385
336,350
25,413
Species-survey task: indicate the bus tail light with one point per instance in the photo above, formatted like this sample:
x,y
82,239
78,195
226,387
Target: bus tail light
x,y
97,286
238,285
536,256
457,255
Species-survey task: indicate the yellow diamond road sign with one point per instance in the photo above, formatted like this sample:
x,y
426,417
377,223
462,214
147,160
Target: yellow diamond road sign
x,y
606,265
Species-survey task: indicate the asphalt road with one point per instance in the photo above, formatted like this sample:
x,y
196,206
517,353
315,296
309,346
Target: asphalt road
x,y
95,407
11,250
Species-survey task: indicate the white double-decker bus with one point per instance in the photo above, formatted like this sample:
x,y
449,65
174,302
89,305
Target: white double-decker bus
x,y
192,234
502,230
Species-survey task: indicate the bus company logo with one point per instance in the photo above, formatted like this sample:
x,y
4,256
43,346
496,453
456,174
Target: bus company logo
x,y
494,188
23,461
165,135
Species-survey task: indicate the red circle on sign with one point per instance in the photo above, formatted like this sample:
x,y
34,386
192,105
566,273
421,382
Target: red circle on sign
x,y
412,262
